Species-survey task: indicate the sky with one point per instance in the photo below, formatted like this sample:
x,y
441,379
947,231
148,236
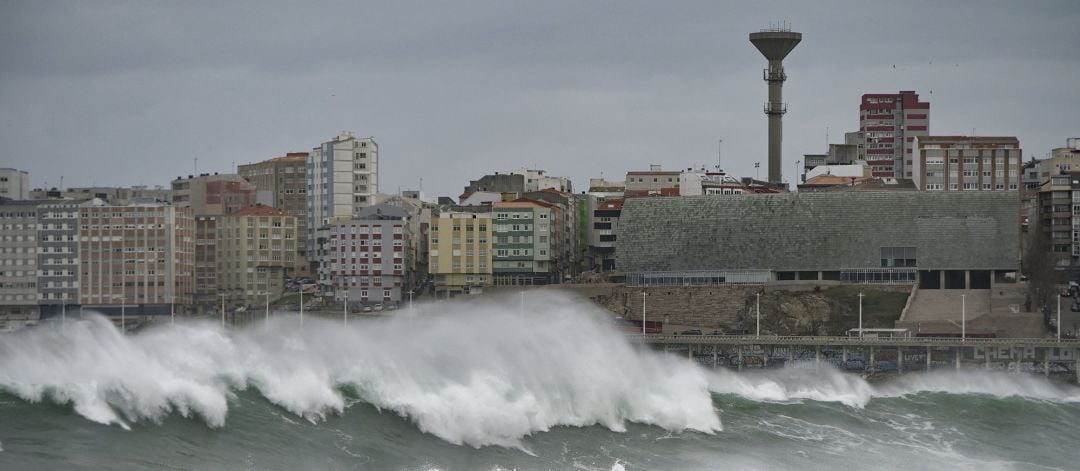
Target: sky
x,y
129,93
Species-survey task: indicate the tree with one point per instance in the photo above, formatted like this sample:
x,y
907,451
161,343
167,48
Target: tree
x,y
1039,265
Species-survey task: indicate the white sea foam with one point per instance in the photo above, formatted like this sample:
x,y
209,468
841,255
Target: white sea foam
x,y
827,384
477,373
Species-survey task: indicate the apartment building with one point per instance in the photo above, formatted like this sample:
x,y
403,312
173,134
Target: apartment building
x,y
1056,200
215,194
138,258
14,184
600,253
282,183
654,182
460,255
115,195
206,295
19,260
889,123
525,244
256,250
954,163
369,256
342,178
603,233
58,254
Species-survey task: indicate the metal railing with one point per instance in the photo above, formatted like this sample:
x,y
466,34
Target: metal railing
x,y
698,278
847,341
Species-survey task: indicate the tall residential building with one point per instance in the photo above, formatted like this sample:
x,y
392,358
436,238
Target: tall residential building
x,y
369,256
19,260
889,122
206,295
1056,198
951,163
342,178
58,253
600,253
281,182
460,244
256,250
603,232
525,243
137,258
14,184
213,195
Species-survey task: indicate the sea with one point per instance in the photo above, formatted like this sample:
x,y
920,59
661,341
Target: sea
x,y
489,384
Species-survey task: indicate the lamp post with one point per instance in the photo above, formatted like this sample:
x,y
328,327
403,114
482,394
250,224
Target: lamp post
x,y
267,309
172,310
757,308
860,315
301,305
963,317
223,310
345,308
797,179
642,312
411,312
1059,318
63,309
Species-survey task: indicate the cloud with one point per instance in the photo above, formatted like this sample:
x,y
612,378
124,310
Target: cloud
x,y
127,93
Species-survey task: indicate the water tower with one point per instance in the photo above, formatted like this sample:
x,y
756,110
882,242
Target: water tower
x,y
775,44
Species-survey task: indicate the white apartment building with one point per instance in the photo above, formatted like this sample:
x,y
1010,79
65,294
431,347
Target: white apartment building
x,y
342,178
14,184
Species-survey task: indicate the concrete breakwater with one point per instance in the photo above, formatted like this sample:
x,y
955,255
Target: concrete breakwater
x,y
1049,357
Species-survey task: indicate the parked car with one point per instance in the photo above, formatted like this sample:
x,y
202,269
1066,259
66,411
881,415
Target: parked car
x,y
691,332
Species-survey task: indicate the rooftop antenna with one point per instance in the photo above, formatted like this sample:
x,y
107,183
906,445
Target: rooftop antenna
x,y
719,154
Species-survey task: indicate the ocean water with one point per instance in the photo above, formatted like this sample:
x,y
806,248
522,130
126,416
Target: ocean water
x,y
489,385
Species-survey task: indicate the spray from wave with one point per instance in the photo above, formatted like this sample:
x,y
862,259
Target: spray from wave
x,y
476,373
480,373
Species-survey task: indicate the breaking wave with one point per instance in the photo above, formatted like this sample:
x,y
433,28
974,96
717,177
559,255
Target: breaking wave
x,y
474,373
477,373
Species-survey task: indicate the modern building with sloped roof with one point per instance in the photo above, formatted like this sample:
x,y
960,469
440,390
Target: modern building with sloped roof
x,y
949,240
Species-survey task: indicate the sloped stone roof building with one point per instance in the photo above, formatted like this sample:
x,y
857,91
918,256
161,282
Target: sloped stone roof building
x,y
823,234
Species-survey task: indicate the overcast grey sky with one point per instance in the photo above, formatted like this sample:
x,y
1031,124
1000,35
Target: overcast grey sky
x,y
120,93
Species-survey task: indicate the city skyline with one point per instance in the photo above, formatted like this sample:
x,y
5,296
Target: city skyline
x,y
572,89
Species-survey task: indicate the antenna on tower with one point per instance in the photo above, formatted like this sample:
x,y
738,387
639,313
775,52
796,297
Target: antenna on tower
x,y
719,154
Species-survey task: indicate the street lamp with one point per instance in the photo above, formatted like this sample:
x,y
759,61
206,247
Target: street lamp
x,y
642,312
757,307
860,315
223,310
1058,316
963,317
797,180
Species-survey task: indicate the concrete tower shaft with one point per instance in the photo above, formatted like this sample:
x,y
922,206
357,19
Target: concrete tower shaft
x,y
775,46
